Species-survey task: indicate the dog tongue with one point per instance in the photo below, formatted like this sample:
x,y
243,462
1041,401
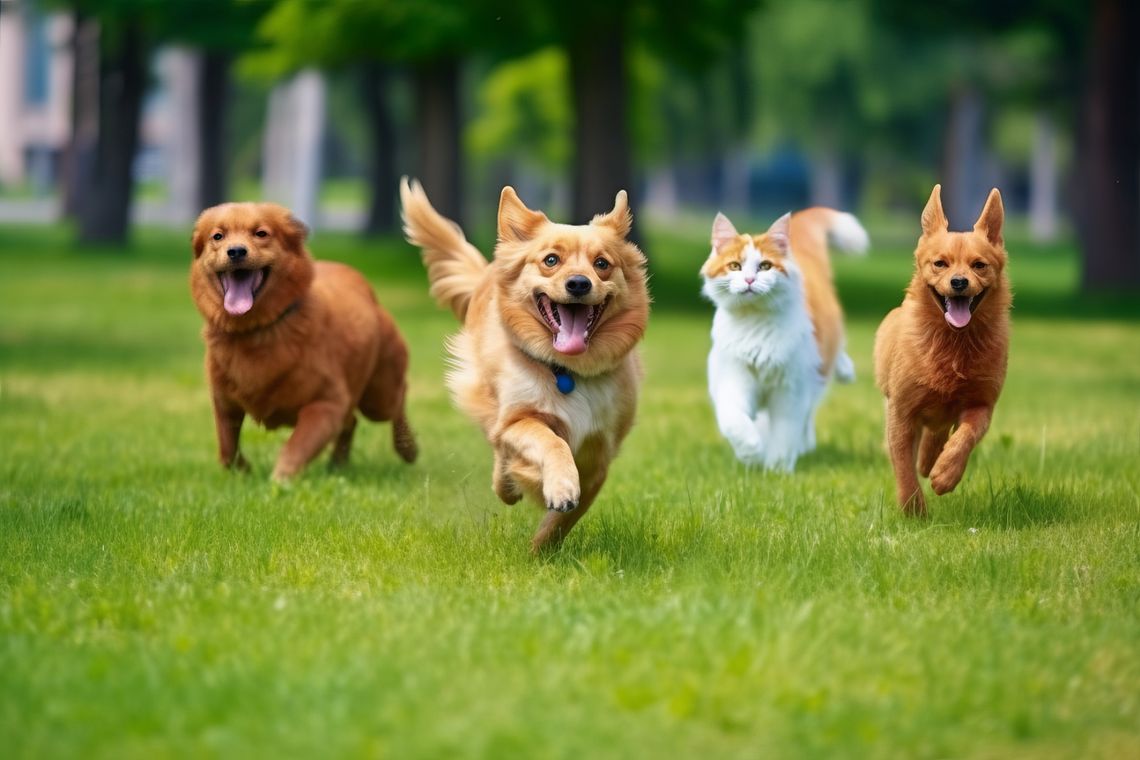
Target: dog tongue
x,y
958,310
571,335
238,287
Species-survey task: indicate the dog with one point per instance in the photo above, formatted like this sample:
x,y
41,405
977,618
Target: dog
x,y
291,341
940,358
777,335
546,360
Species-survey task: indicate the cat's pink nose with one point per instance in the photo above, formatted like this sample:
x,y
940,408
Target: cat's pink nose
x,y
749,280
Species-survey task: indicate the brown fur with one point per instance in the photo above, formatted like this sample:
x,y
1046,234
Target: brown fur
x,y
553,447
941,383
314,347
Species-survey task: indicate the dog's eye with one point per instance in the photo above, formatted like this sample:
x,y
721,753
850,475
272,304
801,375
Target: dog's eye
x,y
218,236
765,265
551,260
940,264
601,264
734,266
979,265
261,233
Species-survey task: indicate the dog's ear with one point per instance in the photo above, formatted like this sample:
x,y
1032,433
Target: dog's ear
x,y
298,230
201,228
619,218
723,231
993,216
780,233
933,217
517,222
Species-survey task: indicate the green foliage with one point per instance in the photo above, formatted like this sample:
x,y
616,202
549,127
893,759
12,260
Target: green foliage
x,y
153,605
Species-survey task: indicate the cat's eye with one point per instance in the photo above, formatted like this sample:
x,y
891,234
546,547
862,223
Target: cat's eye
x,y
979,265
551,260
765,266
601,264
734,266
940,264
218,236
261,233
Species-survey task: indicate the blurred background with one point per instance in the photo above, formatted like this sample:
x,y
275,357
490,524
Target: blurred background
x,y
116,113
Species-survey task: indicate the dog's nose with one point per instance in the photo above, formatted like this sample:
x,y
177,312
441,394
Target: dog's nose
x,y
959,283
578,285
236,252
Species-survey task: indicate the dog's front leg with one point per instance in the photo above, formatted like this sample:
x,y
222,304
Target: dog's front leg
x,y
951,464
317,424
228,418
536,450
902,432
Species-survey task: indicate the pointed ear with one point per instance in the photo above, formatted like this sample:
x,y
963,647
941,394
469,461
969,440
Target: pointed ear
x,y
992,218
723,231
780,233
933,218
619,218
516,221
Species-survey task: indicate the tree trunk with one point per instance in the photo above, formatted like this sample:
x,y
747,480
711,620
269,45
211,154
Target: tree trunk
x,y
382,179
213,108
963,193
1043,180
1109,218
79,156
291,165
599,85
436,85
105,206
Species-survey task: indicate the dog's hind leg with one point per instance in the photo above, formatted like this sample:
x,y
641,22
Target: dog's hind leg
x,y
343,446
929,447
902,443
556,525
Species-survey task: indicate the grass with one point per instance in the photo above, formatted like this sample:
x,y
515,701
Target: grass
x,y
154,606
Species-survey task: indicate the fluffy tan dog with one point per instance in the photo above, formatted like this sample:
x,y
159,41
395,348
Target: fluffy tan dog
x,y
545,362
940,358
290,341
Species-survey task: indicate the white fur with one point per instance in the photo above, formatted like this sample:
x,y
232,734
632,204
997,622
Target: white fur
x,y
846,233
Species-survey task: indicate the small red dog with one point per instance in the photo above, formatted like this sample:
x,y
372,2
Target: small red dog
x,y
546,361
290,341
940,358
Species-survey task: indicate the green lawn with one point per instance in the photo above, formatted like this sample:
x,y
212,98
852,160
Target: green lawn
x,y
152,605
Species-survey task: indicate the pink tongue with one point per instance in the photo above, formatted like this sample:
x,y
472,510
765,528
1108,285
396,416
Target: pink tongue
x,y
238,287
958,311
571,335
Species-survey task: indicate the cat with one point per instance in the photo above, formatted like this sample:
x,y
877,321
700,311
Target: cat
x,y
777,335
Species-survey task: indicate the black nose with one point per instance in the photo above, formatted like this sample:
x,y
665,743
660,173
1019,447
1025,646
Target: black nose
x,y
959,283
236,252
578,285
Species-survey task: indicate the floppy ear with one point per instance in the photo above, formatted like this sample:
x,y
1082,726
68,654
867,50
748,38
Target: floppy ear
x,y
933,218
993,215
723,231
779,233
516,222
619,218
198,236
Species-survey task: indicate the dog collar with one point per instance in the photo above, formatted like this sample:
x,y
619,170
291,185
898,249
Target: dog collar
x,y
563,379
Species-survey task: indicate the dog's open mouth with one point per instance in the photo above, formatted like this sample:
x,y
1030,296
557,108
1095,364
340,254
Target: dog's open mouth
x,y
240,287
958,309
571,323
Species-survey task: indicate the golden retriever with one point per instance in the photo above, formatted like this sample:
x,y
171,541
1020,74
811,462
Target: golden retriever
x,y
546,360
940,358
290,341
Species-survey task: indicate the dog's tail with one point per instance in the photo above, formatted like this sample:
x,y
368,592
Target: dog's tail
x,y
455,267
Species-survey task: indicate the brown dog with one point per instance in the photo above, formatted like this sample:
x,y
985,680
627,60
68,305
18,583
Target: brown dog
x,y
940,358
290,341
545,362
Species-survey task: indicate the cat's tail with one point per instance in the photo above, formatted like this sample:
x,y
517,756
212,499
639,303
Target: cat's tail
x,y
845,233
844,368
455,267
821,229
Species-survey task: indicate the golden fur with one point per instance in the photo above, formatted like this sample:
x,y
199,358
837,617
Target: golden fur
x,y
290,341
941,381
555,447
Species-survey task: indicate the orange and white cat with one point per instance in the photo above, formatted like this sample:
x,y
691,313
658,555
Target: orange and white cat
x,y
777,336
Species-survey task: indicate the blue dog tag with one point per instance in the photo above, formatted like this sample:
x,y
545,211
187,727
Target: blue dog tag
x,y
564,380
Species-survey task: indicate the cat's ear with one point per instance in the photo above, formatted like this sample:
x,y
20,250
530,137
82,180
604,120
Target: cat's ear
x,y
722,231
779,234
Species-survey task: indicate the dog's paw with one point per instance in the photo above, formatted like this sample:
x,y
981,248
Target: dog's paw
x,y
946,474
561,494
240,464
